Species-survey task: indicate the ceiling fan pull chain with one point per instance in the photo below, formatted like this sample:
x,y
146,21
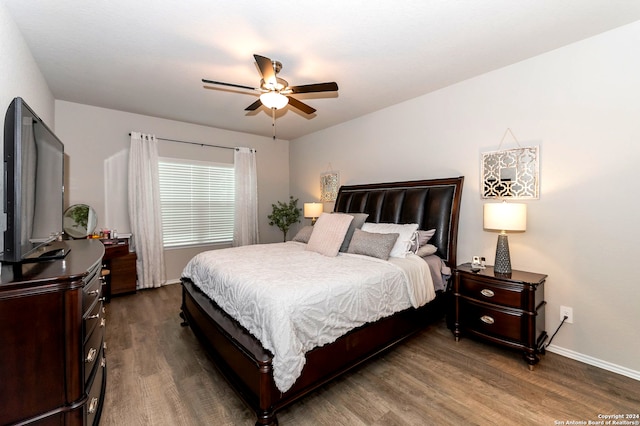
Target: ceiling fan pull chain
x,y
273,122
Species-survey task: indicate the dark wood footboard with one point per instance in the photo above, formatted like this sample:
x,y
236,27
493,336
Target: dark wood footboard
x,y
247,365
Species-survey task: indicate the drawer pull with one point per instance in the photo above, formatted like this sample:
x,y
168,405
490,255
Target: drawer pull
x,y
93,316
91,356
103,322
487,319
93,405
487,293
103,363
94,293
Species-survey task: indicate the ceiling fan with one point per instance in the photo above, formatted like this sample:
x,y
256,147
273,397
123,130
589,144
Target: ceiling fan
x,y
275,91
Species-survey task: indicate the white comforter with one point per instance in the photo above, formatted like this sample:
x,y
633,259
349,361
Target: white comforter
x,y
294,300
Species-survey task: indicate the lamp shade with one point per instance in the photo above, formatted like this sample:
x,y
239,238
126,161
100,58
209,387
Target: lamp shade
x,y
312,210
505,216
274,100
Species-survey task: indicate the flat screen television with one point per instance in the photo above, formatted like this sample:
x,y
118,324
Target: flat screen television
x,y
33,187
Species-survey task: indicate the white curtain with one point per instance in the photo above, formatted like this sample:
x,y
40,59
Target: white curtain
x,y
144,210
245,229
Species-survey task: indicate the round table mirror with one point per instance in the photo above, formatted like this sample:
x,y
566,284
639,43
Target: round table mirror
x,y
79,220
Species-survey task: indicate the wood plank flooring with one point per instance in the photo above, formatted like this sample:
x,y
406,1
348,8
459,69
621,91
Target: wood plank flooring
x,y
157,374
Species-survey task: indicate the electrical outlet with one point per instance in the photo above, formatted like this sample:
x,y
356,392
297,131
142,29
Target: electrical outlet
x,y
566,311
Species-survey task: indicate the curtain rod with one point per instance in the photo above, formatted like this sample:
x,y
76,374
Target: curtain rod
x,y
194,143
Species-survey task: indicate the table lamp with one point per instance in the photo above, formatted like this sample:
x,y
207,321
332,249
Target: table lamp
x,y
504,217
313,211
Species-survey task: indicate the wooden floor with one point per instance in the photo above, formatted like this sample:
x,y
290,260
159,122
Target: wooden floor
x,y
159,375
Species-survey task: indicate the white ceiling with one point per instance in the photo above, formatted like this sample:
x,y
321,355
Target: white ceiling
x,y
149,56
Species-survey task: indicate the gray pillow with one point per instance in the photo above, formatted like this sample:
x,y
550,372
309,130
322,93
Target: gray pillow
x,y
427,250
304,234
372,244
356,223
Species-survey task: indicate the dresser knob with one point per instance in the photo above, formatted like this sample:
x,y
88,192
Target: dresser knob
x,y
90,317
487,319
91,355
103,322
94,293
487,293
93,405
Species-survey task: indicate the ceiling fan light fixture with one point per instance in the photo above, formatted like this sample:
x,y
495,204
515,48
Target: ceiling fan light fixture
x,y
274,100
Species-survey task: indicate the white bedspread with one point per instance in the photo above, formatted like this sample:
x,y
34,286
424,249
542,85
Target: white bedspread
x,y
294,300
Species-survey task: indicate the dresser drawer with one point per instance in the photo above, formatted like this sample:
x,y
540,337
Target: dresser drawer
x,y
502,323
492,292
93,318
91,291
92,351
95,398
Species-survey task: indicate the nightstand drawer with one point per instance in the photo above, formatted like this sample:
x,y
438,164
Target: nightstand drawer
x,y
495,322
492,292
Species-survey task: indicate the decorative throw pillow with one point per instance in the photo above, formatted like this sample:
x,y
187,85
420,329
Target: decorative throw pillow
x,y
403,243
372,244
356,223
422,238
328,233
426,250
304,234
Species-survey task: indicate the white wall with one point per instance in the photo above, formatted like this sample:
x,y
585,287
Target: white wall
x,y
581,105
19,76
97,141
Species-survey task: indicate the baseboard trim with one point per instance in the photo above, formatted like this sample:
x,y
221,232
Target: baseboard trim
x,y
595,362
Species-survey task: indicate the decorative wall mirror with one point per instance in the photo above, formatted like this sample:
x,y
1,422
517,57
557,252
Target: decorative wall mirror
x,y
329,186
79,220
511,173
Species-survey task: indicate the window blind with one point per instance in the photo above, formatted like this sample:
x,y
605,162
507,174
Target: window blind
x,y
197,201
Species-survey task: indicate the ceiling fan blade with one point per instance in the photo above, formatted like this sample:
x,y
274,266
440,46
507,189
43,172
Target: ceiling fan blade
x,y
254,106
301,105
266,69
228,84
317,87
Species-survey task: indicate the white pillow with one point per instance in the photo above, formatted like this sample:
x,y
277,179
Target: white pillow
x,y
328,233
403,244
422,237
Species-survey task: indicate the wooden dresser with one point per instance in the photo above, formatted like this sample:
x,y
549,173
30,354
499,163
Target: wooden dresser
x,y
504,309
52,360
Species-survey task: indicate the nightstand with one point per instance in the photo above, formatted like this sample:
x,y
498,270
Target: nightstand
x,y
507,309
121,264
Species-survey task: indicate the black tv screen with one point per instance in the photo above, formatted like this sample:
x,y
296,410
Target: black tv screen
x,y
33,184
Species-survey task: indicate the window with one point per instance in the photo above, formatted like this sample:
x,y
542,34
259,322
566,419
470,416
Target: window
x,y
197,201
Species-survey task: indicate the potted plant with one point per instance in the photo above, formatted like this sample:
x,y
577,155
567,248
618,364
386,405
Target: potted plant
x,y
284,215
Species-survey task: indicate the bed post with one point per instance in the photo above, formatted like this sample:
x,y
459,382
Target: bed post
x,y
266,415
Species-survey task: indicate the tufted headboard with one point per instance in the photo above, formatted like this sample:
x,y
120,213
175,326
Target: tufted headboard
x,y
432,204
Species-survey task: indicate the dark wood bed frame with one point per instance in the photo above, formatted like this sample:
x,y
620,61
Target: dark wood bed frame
x,y
433,204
